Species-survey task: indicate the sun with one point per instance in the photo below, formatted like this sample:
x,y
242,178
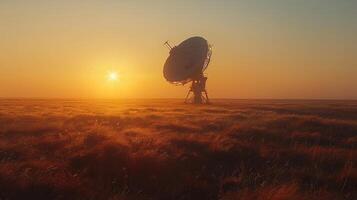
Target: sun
x,y
113,76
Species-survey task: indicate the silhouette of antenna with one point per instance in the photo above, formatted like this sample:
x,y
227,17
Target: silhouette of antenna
x,y
186,63
167,44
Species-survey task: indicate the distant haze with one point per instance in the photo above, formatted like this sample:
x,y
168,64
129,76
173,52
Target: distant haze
x,y
261,48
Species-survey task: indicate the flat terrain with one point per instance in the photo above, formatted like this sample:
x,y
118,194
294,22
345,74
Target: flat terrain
x,y
164,149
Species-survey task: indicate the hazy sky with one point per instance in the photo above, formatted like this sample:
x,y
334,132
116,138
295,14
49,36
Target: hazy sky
x,y
261,48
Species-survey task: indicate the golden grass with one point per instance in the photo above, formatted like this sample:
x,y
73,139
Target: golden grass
x,y
163,149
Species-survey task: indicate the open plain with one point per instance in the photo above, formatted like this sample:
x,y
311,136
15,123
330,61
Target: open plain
x,y
164,149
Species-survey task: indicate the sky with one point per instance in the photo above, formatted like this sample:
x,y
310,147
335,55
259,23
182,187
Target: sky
x,y
281,49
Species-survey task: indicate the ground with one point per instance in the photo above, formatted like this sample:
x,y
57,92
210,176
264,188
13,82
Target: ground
x,y
164,149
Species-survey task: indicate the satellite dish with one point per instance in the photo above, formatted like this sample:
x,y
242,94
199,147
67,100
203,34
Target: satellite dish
x,y
186,63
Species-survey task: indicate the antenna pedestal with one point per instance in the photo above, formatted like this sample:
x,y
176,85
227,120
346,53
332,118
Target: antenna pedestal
x,y
198,90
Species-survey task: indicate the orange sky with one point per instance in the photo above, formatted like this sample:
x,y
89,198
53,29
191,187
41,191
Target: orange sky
x,y
261,49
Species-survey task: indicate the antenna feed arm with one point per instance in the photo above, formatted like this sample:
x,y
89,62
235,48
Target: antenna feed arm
x,y
173,49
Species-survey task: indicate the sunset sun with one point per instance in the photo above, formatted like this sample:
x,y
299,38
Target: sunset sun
x,y
113,76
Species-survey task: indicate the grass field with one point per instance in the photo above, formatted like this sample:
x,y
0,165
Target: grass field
x,y
164,149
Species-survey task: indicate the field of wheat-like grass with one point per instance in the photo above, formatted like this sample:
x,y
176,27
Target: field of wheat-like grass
x,y
164,149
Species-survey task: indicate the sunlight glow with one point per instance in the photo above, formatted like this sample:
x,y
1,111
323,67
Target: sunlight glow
x,y
112,76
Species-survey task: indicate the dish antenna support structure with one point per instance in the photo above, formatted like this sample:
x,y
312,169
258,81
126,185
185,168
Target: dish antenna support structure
x,y
187,63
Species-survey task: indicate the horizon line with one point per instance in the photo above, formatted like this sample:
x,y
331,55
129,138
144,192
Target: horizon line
x,y
175,98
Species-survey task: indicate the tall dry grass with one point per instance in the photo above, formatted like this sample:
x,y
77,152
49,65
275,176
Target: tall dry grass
x,y
163,149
